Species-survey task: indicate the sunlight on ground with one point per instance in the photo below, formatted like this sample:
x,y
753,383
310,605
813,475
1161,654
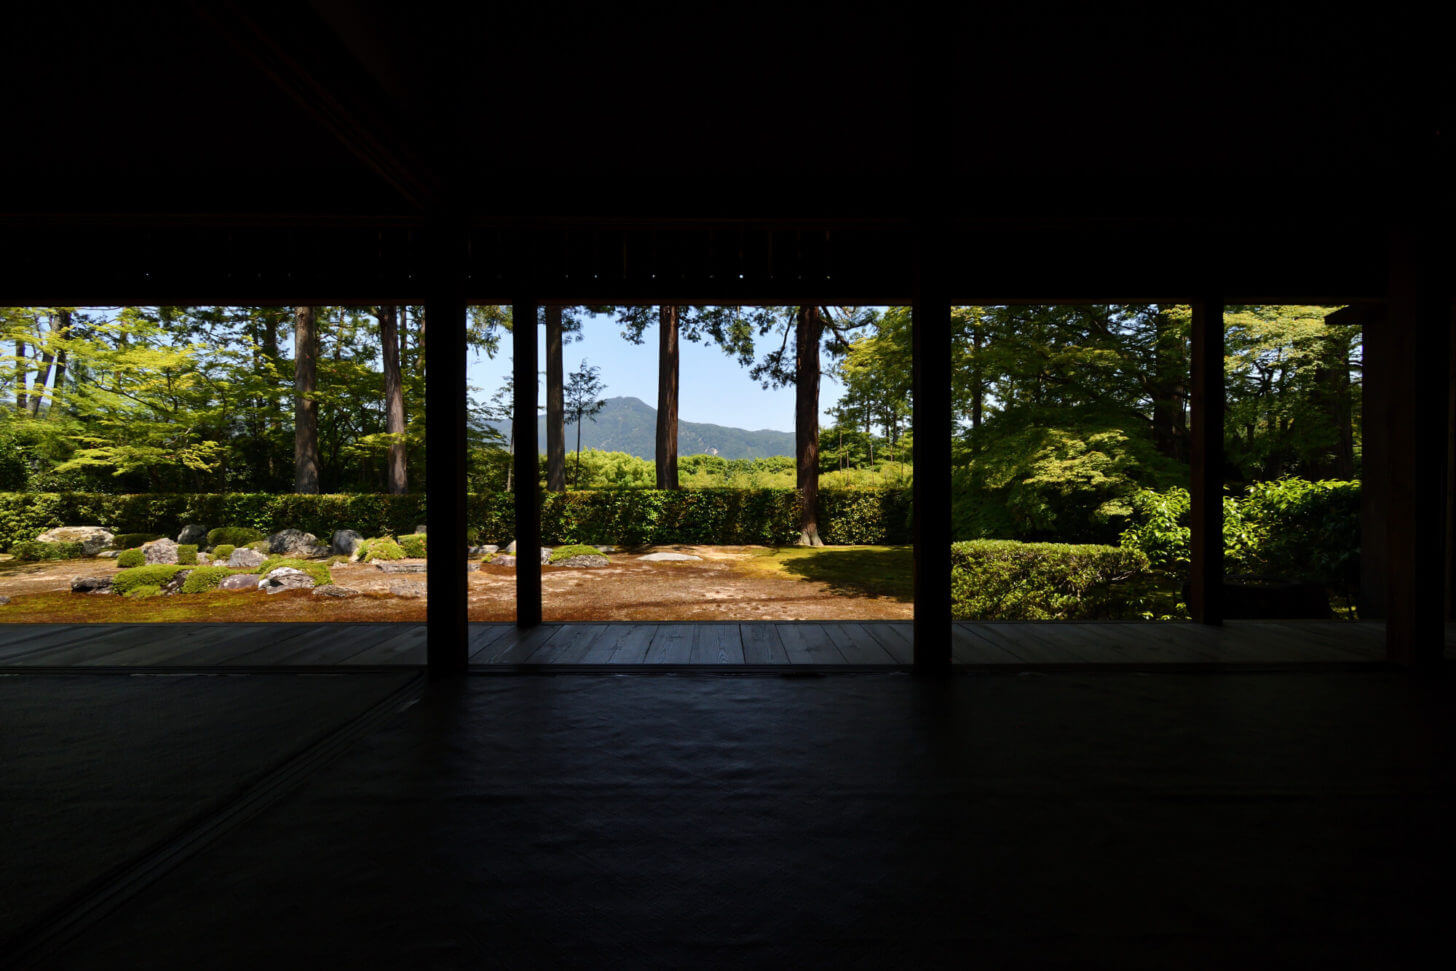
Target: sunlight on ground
x,y
874,571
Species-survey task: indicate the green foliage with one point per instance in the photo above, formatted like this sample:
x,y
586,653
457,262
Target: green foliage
x,y
575,549
130,541
144,591
187,553
233,536
33,551
319,571
414,545
205,578
1288,529
1007,580
130,558
381,548
155,575
222,552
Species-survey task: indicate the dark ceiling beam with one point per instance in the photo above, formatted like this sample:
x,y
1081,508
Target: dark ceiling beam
x,y
314,68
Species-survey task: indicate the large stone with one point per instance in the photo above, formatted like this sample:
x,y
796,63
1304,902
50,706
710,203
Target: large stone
x,y
175,584
585,559
239,581
511,547
668,557
408,589
486,550
335,591
93,539
292,542
420,530
503,559
160,551
389,566
194,534
4,600
286,578
244,558
204,559
90,584
344,541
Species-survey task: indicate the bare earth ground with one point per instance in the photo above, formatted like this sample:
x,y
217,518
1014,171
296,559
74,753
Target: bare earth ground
x,y
735,583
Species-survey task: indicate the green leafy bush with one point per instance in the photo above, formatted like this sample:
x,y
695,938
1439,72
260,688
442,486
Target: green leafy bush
x,y
1009,580
414,545
130,541
233,536
222,552
319,571
204,578
128,558
381,548
567,552
156,575
187,554
35,551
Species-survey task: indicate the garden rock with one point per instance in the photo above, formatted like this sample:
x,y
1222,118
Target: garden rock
x,y
4,600
246,559
545,555
194,534
409,589
160,551
285,578
472,567
90,584
109,554
511,548
606,549
387,566
584,560
668,557
504,559
292,542
204,559
93,539
175,584
336,591
486,550
420,530
344,542
239,581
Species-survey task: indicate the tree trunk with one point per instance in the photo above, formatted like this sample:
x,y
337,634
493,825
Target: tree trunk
x,y
393,400
22,403
272,408
978,383
305,408
808,328
60,327
1168,388
576,478
555,405
667,389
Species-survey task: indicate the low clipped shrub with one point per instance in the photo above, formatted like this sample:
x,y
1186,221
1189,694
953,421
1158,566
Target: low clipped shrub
x,y
129,558
223,552
567,552
130,541
187,554
35,551
413,545
1010,580
233,536
319,571
154,575
381,548
204,578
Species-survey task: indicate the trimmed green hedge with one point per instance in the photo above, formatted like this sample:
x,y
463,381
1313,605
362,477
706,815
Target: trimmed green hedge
x,y
380,548
187,554
129,581
35,551
130,558
414,546
130,541
1007,580
626,516
222,552
233,536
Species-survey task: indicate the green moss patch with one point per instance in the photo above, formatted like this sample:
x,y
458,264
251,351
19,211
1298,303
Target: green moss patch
x,y
204,578
130,558
319,571
135,578
567,552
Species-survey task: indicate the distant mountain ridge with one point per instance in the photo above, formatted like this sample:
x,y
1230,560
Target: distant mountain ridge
x,y
630,425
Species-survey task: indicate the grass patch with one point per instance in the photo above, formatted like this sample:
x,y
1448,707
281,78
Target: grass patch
x,y
319,571
849,571
567,552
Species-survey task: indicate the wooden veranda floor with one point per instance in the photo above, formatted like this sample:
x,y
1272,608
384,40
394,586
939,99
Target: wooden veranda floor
x,y
619,645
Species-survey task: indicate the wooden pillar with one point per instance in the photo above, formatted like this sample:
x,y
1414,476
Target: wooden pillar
x,y
1416,434
445,409
1205,569
527,466
931,494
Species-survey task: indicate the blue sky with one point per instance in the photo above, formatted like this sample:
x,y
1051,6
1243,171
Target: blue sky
x,y
713,387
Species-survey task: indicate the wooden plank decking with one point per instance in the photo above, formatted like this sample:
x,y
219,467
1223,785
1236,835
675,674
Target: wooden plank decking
x,y
850,644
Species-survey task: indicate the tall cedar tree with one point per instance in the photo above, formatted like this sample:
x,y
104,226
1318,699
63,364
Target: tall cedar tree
x,y
305,408
395,474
